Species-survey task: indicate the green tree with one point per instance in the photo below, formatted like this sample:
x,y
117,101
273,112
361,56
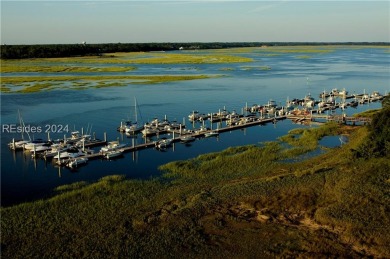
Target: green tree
x,y
386,101
377,143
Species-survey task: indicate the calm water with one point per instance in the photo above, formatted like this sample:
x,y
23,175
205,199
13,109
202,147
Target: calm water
x,y
102,110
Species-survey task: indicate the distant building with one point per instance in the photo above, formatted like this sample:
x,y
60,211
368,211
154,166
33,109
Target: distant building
x,y
181,48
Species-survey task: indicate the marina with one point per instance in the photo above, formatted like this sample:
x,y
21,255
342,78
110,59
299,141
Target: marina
x,y
75,150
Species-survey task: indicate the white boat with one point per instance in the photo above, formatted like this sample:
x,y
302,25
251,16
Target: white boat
x,y
55,148
113,153
196,116
334,92
187,138
74,137
324,94
84,139
201,129
69,153
220,115
124,125
376,96
164,143
35,144
40,149
113,145
211,134
270,104
77,161
149,130
343,93
134,127
19,144
233,115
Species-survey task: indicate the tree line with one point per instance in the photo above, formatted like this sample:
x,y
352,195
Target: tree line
x,y
83,49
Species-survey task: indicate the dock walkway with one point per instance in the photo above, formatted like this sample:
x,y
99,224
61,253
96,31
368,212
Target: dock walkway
x,y
152,144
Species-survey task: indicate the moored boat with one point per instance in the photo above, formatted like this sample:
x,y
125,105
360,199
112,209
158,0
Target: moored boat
x,y
77,161
113,145
71,152
211,134
35,144
187,138
113,153
164,143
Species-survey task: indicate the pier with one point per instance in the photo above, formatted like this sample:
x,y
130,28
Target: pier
x,y
335,118
196,135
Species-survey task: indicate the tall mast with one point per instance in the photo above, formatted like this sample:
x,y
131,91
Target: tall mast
x,y
135,109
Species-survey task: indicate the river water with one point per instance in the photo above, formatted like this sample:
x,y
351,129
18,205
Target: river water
x,y
101,110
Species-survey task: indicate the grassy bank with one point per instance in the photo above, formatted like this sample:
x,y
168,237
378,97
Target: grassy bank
x,y
31,84
241,202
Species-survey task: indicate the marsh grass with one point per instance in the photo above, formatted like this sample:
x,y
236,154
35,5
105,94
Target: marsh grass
x,y
40,68
256,67
140,58
40,83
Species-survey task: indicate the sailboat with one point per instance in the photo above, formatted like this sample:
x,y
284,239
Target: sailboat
x,y
19,144
133,128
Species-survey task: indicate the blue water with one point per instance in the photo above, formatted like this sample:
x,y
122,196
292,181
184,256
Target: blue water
x,y
101,110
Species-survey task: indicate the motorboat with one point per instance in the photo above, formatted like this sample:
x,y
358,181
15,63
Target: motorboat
x,y
324,94
40,149
376,96
77,161
343,93
149,130
123,126
71,152
201,130
113,153
211,134
18,144
187,138
55,148
164,143
113,145
196,116
133,128
85,139
35,144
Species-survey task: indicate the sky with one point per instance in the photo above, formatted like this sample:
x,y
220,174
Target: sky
x,y
65,22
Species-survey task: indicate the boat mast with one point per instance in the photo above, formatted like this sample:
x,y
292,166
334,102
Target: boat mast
x,y
135,109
